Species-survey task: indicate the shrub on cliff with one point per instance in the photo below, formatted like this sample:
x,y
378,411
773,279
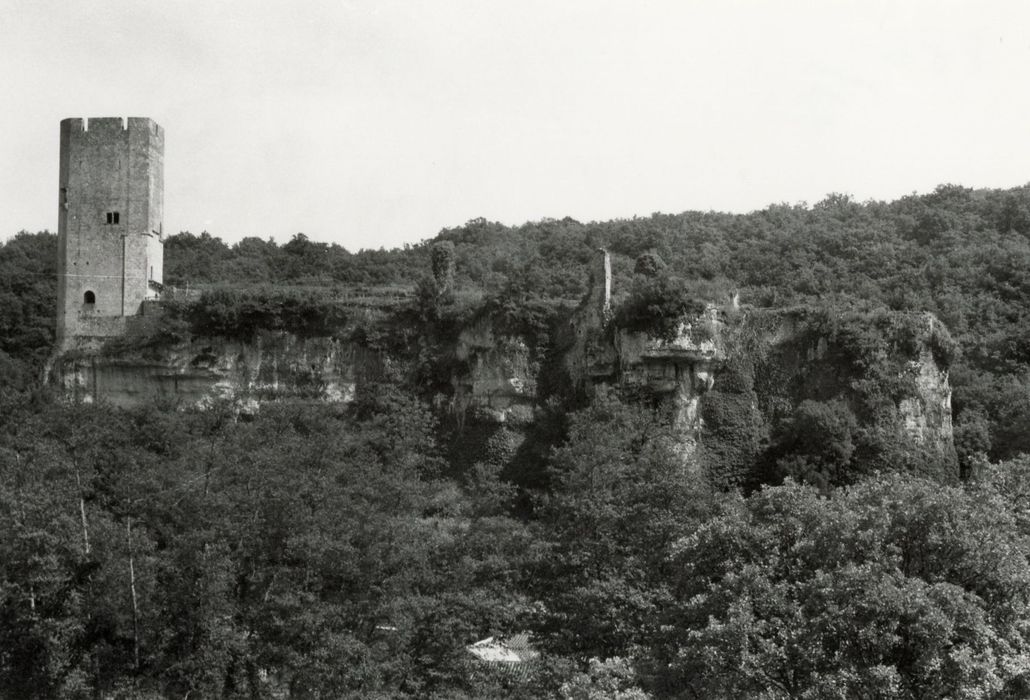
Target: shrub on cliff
x,y
734,428
441,255
241,313
649,264
657,305
816,444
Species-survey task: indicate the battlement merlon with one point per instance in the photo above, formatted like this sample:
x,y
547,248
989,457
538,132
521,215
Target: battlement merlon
x,y
140,124
106,125
73,124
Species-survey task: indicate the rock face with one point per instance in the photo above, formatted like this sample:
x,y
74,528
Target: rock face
x,y
274,366
927,413
499,384
888,368
731,388
681,369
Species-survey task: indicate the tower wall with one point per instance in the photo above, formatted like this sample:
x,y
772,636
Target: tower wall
x,y
111,206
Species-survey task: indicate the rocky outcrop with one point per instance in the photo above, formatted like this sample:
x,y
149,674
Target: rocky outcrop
x,y
888,367
926,415
499,381
271,367
680,369
729,387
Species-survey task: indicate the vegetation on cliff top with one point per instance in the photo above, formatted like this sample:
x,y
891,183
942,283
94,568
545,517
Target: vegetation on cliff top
x,y
958,253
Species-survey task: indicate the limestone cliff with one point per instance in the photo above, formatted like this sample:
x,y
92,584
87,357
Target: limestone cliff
x,y
272,366
681,369
927,412
732,380
499,382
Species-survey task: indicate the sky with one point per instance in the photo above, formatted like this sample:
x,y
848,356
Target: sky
x,y
377,123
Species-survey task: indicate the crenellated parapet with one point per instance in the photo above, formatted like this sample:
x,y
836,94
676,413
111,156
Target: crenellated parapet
x,y
104,127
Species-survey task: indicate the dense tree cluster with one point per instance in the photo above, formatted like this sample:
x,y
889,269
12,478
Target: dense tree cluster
x,y
319,551
891,588
200,259
303,550
28,307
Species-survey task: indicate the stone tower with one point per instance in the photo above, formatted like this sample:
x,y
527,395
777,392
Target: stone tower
x,y
110,231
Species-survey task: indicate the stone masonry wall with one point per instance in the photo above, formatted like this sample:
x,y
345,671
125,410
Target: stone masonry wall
x,y
108,166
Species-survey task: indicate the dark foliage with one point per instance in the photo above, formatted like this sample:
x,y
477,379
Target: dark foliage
x,y
28,302
240,313
316,544
657,305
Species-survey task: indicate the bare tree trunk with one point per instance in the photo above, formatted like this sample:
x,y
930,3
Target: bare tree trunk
x,y
132,590
94,657
82,511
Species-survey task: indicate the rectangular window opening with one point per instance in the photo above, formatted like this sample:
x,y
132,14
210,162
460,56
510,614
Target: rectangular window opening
x,y
112,217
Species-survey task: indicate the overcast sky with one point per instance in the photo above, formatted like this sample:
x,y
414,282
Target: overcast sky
x,y
379,123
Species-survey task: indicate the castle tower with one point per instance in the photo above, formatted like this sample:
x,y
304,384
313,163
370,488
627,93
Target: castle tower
x,y
110,231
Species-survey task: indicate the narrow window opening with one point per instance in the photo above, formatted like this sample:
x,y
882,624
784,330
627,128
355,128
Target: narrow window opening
x,y
89,298
112,217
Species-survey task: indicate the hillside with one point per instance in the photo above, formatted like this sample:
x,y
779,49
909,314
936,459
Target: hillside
x,y
734,475
960,254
